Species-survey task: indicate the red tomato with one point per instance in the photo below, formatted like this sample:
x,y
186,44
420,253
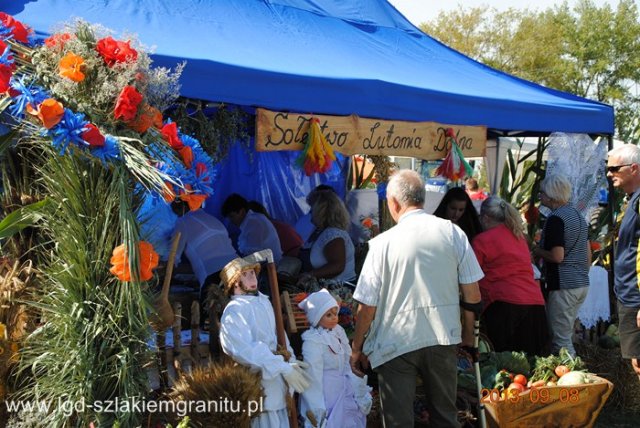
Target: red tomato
x,y
521,379
517,386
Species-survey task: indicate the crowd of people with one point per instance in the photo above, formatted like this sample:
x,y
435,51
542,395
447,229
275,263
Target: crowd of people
x,y
422,285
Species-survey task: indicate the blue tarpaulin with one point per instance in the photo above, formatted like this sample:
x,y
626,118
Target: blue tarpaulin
x,y
324,57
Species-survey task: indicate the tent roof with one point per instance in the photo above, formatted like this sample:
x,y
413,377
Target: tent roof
x,y
325,57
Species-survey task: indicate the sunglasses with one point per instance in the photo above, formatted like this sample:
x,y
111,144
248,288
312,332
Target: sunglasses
x,y
616,168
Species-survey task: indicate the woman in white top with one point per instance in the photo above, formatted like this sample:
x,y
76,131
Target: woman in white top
x,y
332,252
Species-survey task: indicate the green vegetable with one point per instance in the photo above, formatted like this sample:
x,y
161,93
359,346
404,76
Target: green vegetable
x,y
515,362
503,379
544,367
573,378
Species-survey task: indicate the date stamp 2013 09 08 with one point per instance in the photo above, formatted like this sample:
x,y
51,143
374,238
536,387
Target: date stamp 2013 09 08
x,y
535,395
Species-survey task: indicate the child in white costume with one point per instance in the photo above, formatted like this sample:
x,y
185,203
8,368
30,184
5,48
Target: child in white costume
x,y
336,397
248,335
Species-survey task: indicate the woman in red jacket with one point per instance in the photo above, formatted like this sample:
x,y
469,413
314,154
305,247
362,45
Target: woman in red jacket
x,y
514,314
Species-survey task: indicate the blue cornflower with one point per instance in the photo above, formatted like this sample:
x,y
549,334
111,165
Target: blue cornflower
x,y
109,152
69,130
27,94
6,58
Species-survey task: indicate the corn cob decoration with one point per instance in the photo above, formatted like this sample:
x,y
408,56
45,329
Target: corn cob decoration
x,y
317,155
454,167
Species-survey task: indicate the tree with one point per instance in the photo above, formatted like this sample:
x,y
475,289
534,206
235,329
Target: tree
x,y
591,51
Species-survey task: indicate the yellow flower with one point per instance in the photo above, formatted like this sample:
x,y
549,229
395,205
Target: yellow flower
x,y
72,66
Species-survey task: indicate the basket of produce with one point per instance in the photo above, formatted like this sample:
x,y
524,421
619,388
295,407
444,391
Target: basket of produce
x,y
559,393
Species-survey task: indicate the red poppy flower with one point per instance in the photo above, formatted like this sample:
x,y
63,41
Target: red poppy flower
x,y
49,112
201,168
5,77
93,136
148,260
115,51
127,104
19,31
72,66
367,222
3,47
595,246
170,134
57,41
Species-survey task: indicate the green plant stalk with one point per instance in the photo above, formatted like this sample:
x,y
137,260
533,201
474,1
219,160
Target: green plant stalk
x,y
92,345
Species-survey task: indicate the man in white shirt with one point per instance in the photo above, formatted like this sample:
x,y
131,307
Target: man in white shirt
x,y
204,240
256,231
409,290
206,243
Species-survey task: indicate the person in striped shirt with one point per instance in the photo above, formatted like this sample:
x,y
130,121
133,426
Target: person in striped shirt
x,y
567,258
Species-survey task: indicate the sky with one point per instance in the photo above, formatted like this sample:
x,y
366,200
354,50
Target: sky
x,y
419,11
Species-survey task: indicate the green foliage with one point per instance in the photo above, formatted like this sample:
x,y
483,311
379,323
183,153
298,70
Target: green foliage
x,y
216,130
521,174
590,51
21,218
514,362
91,345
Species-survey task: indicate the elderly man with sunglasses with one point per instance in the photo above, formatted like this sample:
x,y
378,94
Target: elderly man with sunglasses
x,y
623,169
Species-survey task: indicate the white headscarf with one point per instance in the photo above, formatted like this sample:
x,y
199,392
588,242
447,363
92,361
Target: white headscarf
x,y
317,304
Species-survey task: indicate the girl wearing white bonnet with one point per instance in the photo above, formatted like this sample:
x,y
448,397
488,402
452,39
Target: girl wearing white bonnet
x,y
336,394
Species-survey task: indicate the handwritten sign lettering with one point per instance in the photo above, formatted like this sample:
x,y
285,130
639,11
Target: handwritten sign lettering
x,y
351,135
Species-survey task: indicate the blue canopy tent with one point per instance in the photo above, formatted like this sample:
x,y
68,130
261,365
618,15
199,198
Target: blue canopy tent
x,y
323,57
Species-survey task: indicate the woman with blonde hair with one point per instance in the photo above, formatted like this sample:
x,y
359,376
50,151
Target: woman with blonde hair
x,y
332,253
514,313
564,247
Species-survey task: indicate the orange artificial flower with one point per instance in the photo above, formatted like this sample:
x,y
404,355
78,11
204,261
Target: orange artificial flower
x,y
72,66
49,112
120,262
187,156
168,194
150,116
192,199
300,297
367,222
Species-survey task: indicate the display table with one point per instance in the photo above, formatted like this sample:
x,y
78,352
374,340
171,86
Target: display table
x,y
566,406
